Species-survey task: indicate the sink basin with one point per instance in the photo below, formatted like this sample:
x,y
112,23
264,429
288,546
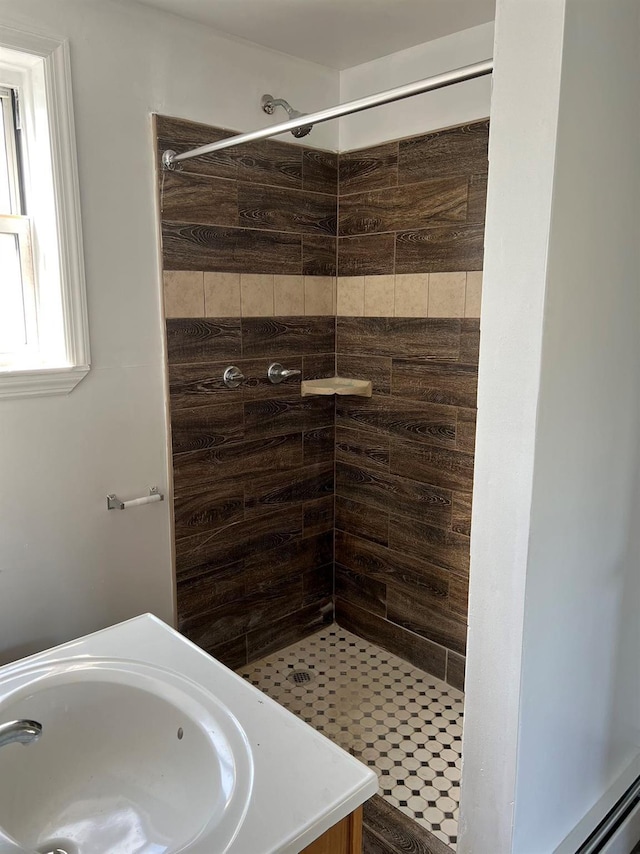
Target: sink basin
x,y
133,759
150,746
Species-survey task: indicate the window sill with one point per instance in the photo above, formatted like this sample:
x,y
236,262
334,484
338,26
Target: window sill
x,y
41,382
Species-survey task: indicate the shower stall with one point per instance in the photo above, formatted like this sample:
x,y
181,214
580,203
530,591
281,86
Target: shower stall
x,y
322,541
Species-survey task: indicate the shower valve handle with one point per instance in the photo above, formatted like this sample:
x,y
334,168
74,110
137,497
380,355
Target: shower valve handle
x,y
277,373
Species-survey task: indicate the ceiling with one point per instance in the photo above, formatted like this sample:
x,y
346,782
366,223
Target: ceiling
x,y
335,33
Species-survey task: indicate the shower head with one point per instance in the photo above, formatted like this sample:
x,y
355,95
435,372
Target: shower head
x,y
269,104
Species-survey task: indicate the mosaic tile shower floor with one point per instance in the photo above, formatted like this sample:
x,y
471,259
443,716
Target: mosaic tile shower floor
x,y
399,720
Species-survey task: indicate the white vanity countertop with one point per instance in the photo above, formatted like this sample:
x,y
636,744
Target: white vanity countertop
x,y
303,783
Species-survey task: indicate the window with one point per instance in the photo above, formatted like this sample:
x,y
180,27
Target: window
x,y
43,324
18,330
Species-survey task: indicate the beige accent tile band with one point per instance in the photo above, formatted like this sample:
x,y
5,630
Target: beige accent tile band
x,y
195,294
411,295
189,294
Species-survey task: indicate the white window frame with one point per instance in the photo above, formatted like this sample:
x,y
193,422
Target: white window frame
x,y
60,294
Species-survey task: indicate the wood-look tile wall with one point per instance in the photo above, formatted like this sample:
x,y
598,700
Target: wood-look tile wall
x,y
247,234
404,476
253,483
253,231
267,207
414,206
411,233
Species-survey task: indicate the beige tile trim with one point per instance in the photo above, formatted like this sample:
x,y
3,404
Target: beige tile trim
x,y
196,294
410,295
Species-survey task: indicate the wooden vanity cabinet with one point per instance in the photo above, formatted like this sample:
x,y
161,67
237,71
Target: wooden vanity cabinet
x,y
343,838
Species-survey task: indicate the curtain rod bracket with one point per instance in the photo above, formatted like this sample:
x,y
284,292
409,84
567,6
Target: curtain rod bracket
x,y
169,162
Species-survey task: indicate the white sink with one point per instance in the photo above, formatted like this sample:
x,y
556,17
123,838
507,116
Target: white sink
x,y
150,746
133,759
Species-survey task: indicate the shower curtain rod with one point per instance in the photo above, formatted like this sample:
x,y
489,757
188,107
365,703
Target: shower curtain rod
x,y
468,72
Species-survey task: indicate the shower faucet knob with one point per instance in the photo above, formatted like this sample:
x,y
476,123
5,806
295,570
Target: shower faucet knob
x,y
277,373
232,377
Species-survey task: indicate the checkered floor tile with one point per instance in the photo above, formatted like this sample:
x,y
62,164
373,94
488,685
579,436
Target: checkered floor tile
x,y
402,722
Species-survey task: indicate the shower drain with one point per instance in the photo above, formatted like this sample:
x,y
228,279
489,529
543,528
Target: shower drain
x,y
300,677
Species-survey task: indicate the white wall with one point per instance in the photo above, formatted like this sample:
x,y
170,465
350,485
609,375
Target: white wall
x,y
66,565
526,82
579,686
457,104
553,690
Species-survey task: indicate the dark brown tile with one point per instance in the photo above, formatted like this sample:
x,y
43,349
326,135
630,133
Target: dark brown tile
x,y
207,587
286,415
236,541
316,367
444,549
400,495
415,206
466,430
362,448
469,341
318,516
477,205
409,610
285,489
290,629
199,384
319,255
369,524
264,162
199,199
317,584
366,592
294,558
440,250
272,337
402,419
459,595
462,150
193,471
226,249
417,650
390,831
455,670
368,255
450,383
369,168
214,165
429,464
257,385
232,653
280,209
320,171
198,340
206,427
268,162
213,507
461,513
373,844
397,337
395,569
180,135
318,444
374,368
258,607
